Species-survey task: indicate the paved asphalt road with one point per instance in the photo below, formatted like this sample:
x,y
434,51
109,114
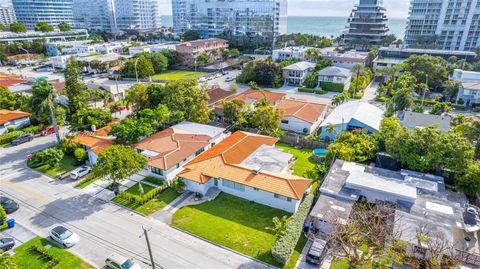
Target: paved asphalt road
x,y
102,227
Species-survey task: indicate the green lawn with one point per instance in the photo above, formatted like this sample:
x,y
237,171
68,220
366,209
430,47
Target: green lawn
x,y
177,75
135,189
339,264
25,258
67,164
296,254
159,202
232,222
154,180
304,157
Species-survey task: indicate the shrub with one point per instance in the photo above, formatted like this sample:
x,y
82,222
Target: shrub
x,y
80,154
332,86
320,92
8,137
3,218
382,99
31,130
303,89
140,199
51,156
52,261
178,185
285,245
86,181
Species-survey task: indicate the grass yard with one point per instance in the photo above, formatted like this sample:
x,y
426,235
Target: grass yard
x,y
152,206
296,254
339,264
304,157
154,180
25,258
172,75
67,164
232,222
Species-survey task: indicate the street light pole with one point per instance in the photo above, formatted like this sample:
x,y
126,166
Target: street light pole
x,y
145,232
136,71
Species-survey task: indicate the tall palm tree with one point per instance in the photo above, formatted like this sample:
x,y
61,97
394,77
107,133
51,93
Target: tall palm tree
x,y
43,101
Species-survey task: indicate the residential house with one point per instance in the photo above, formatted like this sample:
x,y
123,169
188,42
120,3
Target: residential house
x,y
334,78
469,91
189,52
353,115
250,167
154,48
93,144
347,59
217,95
301,116
13,119
289,53
251,97
168,150
412,120
420,203
295,74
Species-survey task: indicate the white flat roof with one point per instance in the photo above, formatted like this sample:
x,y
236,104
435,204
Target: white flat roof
x,y
367,181
197,128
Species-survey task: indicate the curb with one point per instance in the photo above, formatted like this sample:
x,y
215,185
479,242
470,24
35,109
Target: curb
x,y
225,248
129,209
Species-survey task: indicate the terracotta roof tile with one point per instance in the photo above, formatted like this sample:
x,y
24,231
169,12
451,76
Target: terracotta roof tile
x,y
217,95
302,109
9,115
223,161
95,143
253,96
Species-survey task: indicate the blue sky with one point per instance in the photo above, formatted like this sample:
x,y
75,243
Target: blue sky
x,y
395,8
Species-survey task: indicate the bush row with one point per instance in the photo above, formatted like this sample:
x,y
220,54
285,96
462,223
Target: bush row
x,y
86,181
8,137
285,245
52,261
332,86
304,89
140,199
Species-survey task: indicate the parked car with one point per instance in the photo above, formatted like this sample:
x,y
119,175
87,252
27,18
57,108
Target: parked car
x,y
80,172
6,243
64,236
8,204
228,79
117,261
202,79
22,139
48,131
224,72
218,75
317,251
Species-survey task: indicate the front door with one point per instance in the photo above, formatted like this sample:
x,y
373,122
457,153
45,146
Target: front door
x,y
215,181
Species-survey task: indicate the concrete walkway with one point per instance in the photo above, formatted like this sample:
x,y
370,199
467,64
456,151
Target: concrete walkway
x,y
165,214
19,233
370,92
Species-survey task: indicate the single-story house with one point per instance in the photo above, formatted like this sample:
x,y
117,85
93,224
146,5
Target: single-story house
x,y
295,74
251,97
331,76
13,118
412,120
350,116
301,116
94,144
217,95
168,150
248,166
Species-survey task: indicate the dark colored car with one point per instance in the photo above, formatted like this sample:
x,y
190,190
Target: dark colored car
x,y
8,204
6,243
22,139
317,251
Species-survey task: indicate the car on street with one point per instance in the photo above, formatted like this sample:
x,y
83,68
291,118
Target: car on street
x,y
22,139
48,131
117,261
64,236
224,72
229,78
8,204
218,75
202,79
317,251
80,172
6,243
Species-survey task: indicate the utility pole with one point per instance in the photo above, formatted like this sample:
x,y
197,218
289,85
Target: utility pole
x,y
145,233
136,71
425,90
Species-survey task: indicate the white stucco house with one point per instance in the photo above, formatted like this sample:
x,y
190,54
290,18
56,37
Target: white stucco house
x,y
351,116
289,53
13,119
168,150
469,91
334,75
250,167
301,116
295,74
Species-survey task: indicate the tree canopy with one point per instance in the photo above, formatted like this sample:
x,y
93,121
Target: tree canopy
x,y
75,87
424,65
64,27
190,35
44,27
84,118
17,27
352,146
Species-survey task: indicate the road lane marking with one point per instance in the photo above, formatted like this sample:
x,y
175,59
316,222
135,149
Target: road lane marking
x,y
24,191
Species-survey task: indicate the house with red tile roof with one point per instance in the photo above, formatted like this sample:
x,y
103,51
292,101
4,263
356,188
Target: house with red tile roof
x,y
251,97
301,116
94,144
248,166
168,150
13,118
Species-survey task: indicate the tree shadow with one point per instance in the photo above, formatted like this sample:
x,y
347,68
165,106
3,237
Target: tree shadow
x,y
67,210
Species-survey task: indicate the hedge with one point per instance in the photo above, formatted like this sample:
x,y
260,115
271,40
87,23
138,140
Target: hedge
x,y
332,86
52,261
285,245
8,137
140,199
309,90
3,218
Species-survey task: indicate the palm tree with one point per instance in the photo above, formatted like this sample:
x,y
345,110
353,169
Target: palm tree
x,y
279,225
43,101
7,262
358,69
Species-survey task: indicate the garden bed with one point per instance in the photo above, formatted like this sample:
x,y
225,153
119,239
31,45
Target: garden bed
x,y
232,222
157,203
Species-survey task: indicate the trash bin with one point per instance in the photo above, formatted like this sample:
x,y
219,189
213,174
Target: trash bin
x,y
11,223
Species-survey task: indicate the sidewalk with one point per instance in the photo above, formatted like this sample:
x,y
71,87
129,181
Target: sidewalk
x,y
19,233
165,214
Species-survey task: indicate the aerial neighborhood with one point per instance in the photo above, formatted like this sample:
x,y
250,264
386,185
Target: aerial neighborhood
x,y
239,134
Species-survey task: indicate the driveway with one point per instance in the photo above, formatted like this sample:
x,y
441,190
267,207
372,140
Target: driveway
x,y
103,227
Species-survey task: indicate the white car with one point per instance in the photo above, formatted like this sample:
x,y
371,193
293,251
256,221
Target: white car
x,y
64,236
202,79
228,79
117,261
80,172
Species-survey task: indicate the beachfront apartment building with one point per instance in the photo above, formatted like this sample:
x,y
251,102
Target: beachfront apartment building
x,y
53,12
367,25
168,150
444,24
188,52
95,15
137,14
248,166
7,14
239,17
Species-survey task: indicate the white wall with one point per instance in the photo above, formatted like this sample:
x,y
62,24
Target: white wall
x,y
296,125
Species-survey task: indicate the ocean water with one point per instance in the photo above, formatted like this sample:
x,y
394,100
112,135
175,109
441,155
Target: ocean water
x,y
322,26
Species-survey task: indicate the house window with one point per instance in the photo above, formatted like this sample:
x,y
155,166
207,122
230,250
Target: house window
x,y
157,171
233,185
281,197
178,165
199,152
285,121
256,189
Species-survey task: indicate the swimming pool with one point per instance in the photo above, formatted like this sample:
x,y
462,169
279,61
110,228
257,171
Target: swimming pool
x,y
320,152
